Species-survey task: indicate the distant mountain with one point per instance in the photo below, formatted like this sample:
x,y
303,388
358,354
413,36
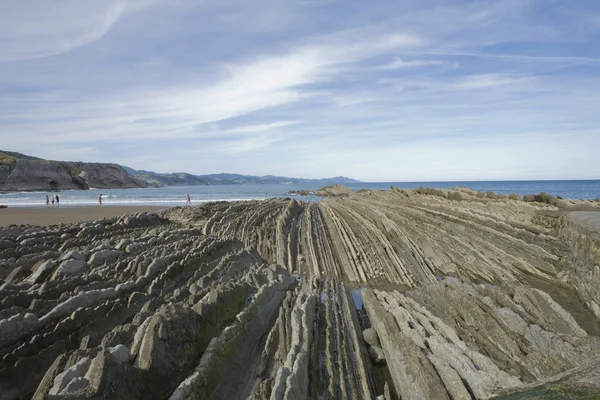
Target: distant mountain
x,y
185,179
22,172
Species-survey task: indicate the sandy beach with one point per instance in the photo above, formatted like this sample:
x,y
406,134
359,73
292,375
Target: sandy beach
x,y
51,216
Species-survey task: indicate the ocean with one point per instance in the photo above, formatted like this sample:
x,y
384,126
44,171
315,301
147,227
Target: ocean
x,y
176,195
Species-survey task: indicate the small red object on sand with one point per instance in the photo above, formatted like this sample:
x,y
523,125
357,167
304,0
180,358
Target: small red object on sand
x,y
3,206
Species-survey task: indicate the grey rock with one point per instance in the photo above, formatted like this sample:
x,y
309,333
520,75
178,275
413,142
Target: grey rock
x,y
376,354
513,320
17,326
32,241
42,271
83,299
120,352
125,286
136,298
122,245
7,244
69,267
139,336
17,274
440,340
62,380
74,254
386,391
370,336
451,378
104,256
75,385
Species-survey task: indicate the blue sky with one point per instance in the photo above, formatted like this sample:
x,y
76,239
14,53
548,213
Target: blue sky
x,y
405,90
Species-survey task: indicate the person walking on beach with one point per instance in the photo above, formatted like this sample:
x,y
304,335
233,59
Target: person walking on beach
x,y
57,201
189,201
53,201
100,199
47,200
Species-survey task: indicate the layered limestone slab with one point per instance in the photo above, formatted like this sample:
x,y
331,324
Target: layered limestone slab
x,y
424,294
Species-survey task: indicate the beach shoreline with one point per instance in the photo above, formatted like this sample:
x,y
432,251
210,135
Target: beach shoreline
x,y
52,216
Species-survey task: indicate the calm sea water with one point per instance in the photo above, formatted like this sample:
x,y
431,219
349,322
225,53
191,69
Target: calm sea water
x,y
176,195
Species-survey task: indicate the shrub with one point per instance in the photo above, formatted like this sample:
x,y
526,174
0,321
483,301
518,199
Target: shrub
x,y
456,196
491,195
514,196
75,171
541,198
7,159
430,191
545,198
529,198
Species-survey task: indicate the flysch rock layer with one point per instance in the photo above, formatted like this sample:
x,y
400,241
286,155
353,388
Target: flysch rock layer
x,y
382,294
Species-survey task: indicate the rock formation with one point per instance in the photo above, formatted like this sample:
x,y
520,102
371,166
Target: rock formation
x,y
19,172
382,294
334,191
35,174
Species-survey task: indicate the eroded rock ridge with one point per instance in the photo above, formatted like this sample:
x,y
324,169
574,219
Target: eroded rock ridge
x,y
382,294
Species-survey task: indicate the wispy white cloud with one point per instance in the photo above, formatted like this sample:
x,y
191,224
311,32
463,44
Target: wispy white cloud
x,y
518,57
486,81
252,129
243,88
38,28
431,90
399,63
248,144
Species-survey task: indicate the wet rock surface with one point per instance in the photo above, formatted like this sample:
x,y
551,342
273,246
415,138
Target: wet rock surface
x,y
395,294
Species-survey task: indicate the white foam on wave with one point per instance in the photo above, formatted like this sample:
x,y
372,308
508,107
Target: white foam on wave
x,y
18,193
133,202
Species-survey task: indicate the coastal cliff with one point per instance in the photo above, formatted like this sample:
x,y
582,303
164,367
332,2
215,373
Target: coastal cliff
x,y
19,172
411,294
23,173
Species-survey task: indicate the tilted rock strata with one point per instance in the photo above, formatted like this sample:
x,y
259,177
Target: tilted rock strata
x,y
393,237
378,295
56,175
334,191
582,232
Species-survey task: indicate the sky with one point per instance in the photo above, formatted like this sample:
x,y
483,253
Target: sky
x,y
404,90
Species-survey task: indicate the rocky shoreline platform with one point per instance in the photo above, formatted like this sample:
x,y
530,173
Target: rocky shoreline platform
x,y
399,294
327,191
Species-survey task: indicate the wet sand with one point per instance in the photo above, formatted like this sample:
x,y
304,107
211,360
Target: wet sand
x,y
52,216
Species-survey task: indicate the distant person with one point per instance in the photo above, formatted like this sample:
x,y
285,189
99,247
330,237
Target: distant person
x,y
57,201
47,201
189,200
100,199
53,200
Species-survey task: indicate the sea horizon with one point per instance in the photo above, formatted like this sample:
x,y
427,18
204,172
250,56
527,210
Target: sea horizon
x,y
169,196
